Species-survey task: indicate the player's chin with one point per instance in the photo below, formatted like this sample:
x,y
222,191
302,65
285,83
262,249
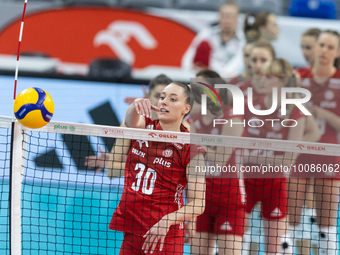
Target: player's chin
x,y
166,117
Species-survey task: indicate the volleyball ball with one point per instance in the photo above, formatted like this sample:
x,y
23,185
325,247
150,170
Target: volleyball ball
x,y
33,108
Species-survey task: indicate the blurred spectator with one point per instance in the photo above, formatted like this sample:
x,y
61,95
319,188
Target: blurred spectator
x,y
262,25
323,9
218,47
308,43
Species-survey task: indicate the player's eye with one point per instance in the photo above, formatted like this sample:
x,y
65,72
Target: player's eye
x,y
161,98
173,100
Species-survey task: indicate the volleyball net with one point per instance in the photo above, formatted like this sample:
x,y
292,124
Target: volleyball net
x,y
59,205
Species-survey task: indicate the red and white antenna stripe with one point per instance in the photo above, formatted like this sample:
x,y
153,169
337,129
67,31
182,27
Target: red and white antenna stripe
x,y
18,53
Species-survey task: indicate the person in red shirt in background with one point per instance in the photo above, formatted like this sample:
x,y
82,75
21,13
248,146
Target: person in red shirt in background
x,y
306,233
323,81
308,43
223,218
271,190
260,53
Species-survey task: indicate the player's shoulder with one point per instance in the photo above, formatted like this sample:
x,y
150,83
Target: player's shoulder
x,y
302,71
334,82
152,124
337,74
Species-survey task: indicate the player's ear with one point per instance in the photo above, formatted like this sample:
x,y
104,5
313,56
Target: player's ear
x,y
186,109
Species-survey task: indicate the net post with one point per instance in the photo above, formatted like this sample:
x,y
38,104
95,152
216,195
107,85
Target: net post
x,y
16,171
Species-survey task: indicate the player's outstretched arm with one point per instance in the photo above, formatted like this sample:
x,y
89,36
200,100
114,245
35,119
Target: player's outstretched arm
x,y
138,111
117,157
98,162
196,196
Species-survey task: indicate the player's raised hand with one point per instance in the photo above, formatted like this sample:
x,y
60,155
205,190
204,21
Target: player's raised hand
x,y
157,233
143,107
98,162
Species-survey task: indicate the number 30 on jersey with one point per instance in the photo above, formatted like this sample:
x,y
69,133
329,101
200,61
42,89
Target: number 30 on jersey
x,y
150,174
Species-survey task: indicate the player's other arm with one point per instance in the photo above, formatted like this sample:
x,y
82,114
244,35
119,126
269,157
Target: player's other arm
x,y
117,157
195,193
195,207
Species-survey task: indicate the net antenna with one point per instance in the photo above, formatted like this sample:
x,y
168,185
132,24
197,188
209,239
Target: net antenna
x,y
16,165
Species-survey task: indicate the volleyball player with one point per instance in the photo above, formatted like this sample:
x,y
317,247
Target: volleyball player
x,y
223,218
322,80
308,43
303,236
150,211
115,161
271,190
262,52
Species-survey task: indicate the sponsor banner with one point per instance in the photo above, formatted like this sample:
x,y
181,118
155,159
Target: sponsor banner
x,y
140,39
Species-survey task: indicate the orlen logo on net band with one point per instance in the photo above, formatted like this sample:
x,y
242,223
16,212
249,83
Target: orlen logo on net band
x,y
311,148
153,135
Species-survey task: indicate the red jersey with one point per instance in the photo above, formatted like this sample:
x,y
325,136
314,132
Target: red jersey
x,y
227,187
244,85
155,176
270,129
327,97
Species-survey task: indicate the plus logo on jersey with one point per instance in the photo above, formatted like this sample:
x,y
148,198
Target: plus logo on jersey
x,y
162,162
